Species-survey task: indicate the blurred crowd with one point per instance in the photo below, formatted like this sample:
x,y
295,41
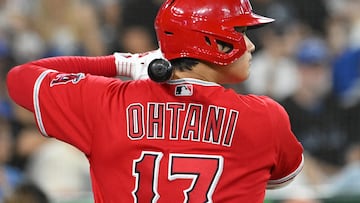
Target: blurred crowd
x,y
308,60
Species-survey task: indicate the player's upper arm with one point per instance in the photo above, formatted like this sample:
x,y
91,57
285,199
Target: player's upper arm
x,y
282,182
289,159
20,84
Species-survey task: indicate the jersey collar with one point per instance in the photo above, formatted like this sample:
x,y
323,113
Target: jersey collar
x,y
192,81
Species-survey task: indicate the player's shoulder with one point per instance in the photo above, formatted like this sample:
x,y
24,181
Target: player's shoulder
x,y
259,100
263,104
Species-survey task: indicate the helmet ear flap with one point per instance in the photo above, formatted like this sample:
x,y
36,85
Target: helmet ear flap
x,y
224,47
219,45
212,43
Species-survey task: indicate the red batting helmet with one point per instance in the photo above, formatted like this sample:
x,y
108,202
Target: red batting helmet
x,y
192,28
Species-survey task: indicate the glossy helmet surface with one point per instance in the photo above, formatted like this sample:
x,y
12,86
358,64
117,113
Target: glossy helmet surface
x,y
192,28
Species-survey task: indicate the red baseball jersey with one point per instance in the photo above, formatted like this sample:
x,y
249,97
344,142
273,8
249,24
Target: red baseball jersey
x,y
186,140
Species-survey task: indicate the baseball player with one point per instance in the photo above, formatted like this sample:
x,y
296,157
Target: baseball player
x,y
180,136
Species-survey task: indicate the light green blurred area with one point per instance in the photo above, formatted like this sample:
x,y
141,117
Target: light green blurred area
x,y
352,199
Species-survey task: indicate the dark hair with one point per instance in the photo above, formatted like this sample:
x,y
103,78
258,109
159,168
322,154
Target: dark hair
x,y
183,64
27,193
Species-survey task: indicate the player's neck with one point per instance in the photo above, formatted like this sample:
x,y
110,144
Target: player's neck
x,y
200,72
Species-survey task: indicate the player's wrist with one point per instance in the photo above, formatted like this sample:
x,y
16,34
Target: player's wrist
x,y
124,63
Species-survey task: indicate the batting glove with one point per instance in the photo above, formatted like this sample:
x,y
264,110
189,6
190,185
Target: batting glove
x,y
135,65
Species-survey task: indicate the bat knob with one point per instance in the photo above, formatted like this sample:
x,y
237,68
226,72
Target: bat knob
x,y
160,70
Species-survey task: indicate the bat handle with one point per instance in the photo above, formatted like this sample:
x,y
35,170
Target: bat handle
x,y
160,70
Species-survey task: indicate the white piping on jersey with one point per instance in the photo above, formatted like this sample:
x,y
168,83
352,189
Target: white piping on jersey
x,y
273,183
192,81
36,101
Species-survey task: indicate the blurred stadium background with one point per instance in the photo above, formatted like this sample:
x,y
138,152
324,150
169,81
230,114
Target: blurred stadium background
x,y
308,60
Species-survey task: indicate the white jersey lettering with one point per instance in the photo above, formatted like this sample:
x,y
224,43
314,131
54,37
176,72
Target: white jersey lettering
x,y
218,127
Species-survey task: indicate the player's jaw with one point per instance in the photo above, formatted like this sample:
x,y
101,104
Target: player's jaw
x,y
239,70
247,57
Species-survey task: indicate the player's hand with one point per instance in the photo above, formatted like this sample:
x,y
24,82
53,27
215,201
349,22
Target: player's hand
x,y
135,65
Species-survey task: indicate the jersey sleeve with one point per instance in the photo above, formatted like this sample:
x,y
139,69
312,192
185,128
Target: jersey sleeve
x,y
99,65
62,103
289,157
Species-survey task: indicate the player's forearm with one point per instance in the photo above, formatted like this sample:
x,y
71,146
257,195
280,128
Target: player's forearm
x,y
21,79
101,65
118,64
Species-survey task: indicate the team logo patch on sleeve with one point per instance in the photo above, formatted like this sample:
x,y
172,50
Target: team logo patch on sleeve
x,y
64,78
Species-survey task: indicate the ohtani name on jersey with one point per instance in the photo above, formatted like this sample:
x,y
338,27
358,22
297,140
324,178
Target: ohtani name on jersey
x,y
181,121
